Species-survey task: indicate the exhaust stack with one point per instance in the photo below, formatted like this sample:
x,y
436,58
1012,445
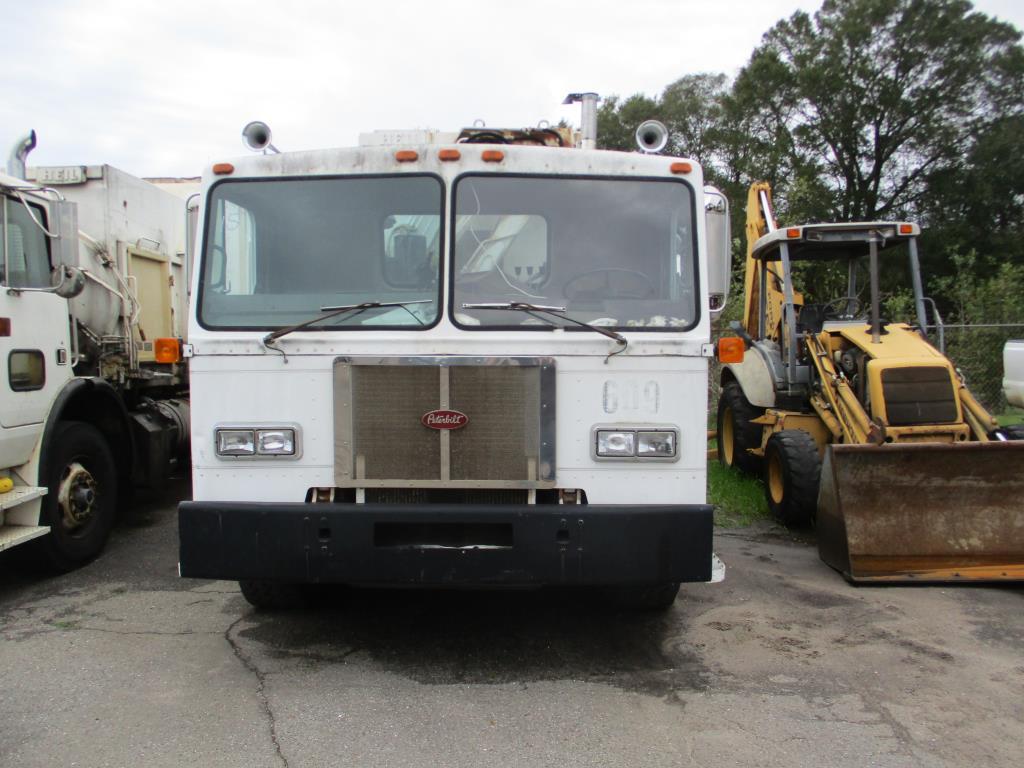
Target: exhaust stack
x,y
588,123
16,160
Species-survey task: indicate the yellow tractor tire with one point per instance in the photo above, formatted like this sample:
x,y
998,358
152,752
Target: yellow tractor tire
x,y
735,432
792,477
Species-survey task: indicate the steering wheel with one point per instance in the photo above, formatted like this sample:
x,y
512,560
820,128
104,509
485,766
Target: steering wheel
x,y
645,287
843,308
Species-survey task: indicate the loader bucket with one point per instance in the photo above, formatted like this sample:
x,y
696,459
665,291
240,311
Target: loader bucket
x,y
923,512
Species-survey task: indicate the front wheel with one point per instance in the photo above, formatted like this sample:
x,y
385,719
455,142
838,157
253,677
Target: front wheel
x,y
271,595
792,475
736,432
81,500
645,597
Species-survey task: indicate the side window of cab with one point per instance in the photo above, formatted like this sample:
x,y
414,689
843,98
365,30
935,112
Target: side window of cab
x,y
26,254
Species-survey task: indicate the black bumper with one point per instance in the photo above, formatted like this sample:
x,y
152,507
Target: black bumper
x,y
446,545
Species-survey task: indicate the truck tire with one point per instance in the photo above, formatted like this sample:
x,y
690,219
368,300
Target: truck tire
x,y
646,597
1013,432
735,432
792,475
271,595
81,503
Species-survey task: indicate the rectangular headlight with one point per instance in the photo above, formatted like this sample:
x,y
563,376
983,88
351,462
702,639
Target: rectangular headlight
x,y
616,443
236,442
651,444
275,442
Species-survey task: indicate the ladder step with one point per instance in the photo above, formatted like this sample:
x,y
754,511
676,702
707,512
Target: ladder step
x,y
19,495
12,535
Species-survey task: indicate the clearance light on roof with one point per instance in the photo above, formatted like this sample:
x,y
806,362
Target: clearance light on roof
x,y
223,169
407,156
906,229
492,156
793,232
681,167
449,154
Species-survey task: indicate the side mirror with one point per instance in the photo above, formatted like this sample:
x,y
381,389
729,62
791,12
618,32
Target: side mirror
x,y
68,281
407,264
718,234
64,223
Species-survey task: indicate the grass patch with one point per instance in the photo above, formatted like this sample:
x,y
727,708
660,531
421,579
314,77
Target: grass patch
x,y
738,498
1010,416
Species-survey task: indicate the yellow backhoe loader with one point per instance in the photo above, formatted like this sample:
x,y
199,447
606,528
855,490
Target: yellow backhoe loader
x,y
860,426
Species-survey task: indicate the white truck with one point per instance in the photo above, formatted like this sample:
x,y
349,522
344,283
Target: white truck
x,y
93,396
1013,372
464,359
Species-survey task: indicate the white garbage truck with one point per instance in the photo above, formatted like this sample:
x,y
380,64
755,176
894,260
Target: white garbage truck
x,y
467,359
93,393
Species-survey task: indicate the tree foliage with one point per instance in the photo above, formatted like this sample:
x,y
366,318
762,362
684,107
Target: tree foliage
x,y
867,109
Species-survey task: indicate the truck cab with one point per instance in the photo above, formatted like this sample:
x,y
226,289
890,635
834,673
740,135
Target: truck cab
x,y
450,360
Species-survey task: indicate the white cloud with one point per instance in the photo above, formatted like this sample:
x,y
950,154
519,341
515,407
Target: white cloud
x,y
163,88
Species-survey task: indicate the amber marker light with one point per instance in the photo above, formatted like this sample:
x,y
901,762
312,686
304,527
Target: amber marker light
x,y
492,156
906,229
407,156
680,167
167,350
449,154
793,232
730,349
223,169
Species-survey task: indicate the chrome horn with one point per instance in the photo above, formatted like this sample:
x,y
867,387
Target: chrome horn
x,y
651,136
257,137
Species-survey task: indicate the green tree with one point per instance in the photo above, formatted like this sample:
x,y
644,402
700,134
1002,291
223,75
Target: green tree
x,y
859,107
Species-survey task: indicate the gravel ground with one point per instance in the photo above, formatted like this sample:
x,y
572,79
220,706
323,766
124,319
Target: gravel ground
x,y
783,664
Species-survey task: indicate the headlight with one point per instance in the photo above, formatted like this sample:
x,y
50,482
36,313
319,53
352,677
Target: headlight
x,y
616,443
662,443
236,442
275,442
640,443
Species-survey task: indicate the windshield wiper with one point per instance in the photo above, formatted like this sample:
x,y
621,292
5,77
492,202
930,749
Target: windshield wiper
x,y
559,312
355,309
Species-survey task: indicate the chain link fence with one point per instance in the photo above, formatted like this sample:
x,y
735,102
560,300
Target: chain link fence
x,y
975,350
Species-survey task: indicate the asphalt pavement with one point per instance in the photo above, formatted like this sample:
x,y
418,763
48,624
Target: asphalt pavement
x,y
784,664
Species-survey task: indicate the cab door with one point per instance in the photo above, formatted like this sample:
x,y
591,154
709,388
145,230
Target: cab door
x,y
34,331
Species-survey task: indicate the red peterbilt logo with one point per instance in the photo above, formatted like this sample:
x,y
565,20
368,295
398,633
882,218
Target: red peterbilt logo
x,y
444,419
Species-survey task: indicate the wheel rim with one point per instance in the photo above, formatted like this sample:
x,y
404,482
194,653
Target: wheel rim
x,y
77,497
727,438
776,483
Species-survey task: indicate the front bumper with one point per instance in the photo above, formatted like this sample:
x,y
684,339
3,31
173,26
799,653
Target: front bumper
x,y
446,545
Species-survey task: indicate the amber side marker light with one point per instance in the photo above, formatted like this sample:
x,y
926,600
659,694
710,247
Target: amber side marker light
x,y
167,350
906,229
730,349
680,167
492,156
223,169
793,232
449,154
407,156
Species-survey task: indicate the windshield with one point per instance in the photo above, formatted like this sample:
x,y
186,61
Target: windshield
x,y
277,251
617,253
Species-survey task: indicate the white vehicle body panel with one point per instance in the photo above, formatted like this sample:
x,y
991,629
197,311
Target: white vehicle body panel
x,y
1013,372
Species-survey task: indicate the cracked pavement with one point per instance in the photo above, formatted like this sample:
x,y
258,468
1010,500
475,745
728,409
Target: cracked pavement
x,y
783,664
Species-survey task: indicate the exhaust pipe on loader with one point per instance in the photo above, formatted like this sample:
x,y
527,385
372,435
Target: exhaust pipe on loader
x,y
923,512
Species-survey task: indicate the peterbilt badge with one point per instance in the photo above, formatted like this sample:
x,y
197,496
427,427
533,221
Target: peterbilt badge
x,y
442,419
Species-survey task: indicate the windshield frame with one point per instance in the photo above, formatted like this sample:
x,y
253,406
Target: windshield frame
x,y
453,213
201,265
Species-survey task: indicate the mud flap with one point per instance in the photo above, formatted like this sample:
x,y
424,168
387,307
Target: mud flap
x,y
923,512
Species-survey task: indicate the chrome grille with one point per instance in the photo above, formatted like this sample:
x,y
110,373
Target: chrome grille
x,y
508,441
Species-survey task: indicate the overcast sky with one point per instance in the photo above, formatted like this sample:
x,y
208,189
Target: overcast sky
x,y
164,87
